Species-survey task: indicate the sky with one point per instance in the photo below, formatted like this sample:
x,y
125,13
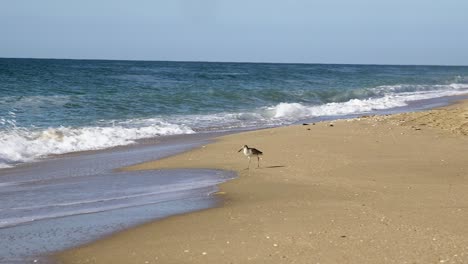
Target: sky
x,y
428,32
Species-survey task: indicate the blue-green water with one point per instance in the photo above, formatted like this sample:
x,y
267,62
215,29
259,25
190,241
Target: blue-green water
x,y
58,106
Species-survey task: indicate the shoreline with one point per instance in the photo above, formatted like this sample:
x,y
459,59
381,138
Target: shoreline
x,y
317,198
413,106
77,205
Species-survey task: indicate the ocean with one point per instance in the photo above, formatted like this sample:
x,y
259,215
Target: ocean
x,y
67,126
60,106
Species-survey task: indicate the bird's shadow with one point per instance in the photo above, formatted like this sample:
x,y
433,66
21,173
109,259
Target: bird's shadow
x,y
268,167
274,167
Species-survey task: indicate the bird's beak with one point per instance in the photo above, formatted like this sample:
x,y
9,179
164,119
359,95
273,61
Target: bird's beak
x,y
240,150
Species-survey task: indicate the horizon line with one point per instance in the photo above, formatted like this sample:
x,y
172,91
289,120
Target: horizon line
x,y
240,62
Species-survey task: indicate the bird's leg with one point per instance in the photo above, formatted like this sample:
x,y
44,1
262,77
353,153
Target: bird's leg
x,y
249,162
258,164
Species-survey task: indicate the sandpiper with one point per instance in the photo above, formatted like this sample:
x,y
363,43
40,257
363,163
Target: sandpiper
x,y
249,152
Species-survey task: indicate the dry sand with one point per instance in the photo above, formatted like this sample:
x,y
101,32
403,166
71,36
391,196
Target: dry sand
x,y
378,189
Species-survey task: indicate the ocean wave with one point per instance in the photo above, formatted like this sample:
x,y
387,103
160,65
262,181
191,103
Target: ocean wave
x,y
297,111
392,97
19,144
25,145
408,88
34,101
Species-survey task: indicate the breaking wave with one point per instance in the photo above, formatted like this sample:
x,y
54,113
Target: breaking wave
x,y
25,145
391,97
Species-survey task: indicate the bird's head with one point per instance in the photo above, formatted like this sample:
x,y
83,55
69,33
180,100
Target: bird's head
x,y
245,146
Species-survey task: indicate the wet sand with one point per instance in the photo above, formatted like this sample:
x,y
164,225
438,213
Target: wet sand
x,y
376,189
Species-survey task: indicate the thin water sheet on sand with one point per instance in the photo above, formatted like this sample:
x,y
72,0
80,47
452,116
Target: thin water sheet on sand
x,y
73,199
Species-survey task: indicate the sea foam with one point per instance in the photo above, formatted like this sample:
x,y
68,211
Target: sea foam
x,y
392,97
26,145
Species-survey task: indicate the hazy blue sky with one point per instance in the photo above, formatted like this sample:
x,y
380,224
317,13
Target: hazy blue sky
x,y
315,31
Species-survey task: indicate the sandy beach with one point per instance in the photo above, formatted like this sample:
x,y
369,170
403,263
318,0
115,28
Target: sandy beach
x,y
374,189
